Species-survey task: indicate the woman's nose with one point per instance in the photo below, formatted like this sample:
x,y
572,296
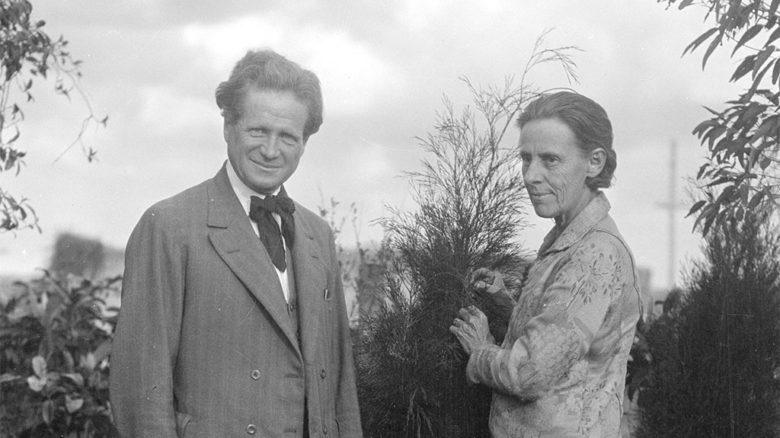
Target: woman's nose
x,y
531,173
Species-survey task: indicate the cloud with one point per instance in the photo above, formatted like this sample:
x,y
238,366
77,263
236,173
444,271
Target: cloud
x,y
354,78
164,109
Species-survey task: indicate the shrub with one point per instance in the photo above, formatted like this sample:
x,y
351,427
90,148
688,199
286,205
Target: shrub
x,y
716,356
55,338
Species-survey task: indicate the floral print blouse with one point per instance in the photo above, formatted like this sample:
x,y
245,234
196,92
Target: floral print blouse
x,y
560,371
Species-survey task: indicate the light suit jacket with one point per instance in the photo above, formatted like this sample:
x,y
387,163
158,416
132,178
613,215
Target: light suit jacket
x,y
204,346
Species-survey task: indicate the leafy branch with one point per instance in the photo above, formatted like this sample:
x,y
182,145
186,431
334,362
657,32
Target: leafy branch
x,y
741,173
29,54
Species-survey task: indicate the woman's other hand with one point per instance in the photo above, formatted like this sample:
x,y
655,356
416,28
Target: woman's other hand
x,y
484,281
471,329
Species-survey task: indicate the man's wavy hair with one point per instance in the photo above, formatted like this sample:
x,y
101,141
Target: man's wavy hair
x,y
268,70
587,120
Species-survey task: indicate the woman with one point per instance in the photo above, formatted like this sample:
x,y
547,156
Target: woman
x,y
561,368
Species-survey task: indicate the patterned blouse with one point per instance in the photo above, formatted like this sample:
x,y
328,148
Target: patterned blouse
x,y
561,369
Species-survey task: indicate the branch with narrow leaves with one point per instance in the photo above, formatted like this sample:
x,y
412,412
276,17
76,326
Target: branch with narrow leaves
x,y
742,140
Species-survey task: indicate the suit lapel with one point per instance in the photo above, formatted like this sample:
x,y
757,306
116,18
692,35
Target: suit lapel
x,y
236,243
310,281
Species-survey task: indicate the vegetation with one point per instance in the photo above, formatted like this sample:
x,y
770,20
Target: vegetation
x,y
411,370
743,165
715,354
29,54
56,337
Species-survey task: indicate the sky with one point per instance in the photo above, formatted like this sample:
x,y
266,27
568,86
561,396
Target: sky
x,y
152,67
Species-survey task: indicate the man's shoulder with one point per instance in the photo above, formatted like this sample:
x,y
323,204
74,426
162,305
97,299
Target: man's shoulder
x,y
187,205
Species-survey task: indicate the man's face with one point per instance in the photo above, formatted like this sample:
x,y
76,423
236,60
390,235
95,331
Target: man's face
x,y
266,143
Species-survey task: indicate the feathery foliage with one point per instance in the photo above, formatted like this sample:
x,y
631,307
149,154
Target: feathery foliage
x,y
471,199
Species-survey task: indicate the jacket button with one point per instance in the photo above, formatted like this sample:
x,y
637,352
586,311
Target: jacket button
x,y
255,374
323,373
251,429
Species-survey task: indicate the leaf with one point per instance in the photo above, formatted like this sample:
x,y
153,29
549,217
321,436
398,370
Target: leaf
x,y
698,205
755,200
692,46
747,36
102,351
77,378
744,67
73,404
7,377
766,126
718,181
776,73
708,222
684,4
88,361
36,384
773,8
39,366
761,59
46,411
744,192
774,36
702,169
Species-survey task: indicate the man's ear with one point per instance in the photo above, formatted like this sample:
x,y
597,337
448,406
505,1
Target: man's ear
x,y
596,161
225,126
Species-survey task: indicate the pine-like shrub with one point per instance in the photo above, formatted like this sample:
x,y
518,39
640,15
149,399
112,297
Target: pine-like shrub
x,y
716,356
470,198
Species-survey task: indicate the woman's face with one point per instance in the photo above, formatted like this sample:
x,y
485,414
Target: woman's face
x,y
555,169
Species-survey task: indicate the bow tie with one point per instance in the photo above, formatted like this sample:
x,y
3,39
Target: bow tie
x,y
261,211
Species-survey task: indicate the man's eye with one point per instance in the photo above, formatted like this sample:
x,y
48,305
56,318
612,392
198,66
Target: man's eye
x,y
289,140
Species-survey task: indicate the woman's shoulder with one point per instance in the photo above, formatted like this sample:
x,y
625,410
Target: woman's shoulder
x,y
603,243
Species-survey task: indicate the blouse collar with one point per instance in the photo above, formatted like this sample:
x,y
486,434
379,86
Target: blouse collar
x,y
560,239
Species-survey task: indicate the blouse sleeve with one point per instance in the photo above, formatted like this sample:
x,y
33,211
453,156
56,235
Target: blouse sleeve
x,y
575,302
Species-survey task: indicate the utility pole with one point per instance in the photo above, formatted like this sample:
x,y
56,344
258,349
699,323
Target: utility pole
x,y
672,217
672,206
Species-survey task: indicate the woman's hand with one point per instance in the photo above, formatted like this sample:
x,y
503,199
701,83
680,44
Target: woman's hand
x,y
485,281
471,329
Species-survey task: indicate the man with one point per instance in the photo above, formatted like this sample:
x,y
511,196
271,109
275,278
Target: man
x,y
233,320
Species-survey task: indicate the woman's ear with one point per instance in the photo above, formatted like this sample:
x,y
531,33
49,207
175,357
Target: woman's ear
x,y
596,162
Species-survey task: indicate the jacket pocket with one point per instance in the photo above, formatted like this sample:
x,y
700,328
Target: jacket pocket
x,y
182,421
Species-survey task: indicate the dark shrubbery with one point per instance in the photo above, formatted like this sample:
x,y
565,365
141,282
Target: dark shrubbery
x,y
56,337
716,356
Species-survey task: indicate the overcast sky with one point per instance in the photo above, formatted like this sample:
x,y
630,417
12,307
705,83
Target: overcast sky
x,y
152,67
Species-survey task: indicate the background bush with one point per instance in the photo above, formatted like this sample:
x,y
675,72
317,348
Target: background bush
x,y
56,337
715,367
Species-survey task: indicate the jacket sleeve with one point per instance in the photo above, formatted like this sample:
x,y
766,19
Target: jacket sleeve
x,y
575,304
147,333
347,410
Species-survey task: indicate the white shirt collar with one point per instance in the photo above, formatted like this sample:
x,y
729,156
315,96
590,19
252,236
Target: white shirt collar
x,y
242,191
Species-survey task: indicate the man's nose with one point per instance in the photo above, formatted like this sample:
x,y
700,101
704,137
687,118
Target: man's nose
x,y
270,147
